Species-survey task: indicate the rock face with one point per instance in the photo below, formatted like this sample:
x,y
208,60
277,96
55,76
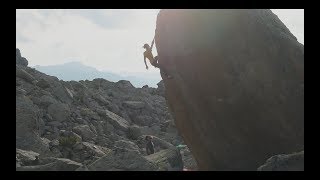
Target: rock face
x,y
237,93
90,125
284,162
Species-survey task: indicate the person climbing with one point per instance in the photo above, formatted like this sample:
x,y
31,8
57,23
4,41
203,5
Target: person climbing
x,y
153,60
149,145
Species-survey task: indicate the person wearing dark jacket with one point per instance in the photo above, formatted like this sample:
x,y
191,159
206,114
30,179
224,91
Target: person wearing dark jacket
x,y
149,145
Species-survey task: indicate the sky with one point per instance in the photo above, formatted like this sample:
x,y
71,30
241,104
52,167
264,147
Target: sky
x,y
106,39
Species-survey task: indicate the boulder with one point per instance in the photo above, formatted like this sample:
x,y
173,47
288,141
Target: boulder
x,y
59,111
58,164
116,121
43,83
101,100
122,160
64,133
237,92
61,93
134,132
26,157
85,132
167,160
134,104
123,84
284,162
126,145
143,120
24,75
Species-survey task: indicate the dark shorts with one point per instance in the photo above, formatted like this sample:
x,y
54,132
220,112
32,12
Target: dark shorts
x,y
155,62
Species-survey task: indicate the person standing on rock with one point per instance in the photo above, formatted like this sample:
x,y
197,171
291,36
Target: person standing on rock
x,y
153,60
149,145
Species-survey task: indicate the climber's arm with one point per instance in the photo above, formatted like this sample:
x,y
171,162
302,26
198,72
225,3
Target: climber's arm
x,y
152,44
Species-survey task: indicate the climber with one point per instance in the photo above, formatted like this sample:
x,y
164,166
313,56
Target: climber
x,y
153,60
149,145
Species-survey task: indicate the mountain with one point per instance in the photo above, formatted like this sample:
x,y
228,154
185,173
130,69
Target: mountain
x,y
77,71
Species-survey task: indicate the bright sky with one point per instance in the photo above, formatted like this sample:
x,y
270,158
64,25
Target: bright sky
x,y
106,39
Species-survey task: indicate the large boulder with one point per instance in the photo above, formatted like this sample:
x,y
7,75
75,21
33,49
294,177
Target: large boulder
x,y
85,132
237,92
47,100
116,121
143,120
126,145
167,160
43,83
62,93
26,158
123,84
87,153
134,104
284,162
134,132
57,164
122,159
59,111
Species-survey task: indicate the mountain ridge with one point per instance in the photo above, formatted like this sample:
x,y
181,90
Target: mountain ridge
x,y
75,70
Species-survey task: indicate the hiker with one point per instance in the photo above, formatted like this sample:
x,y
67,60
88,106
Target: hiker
x,y
153,60
149,145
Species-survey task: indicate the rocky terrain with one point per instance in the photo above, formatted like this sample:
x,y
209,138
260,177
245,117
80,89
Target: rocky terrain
x,y
237,95
92,125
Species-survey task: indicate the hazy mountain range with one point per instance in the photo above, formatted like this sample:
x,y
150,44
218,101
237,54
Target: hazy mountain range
x,y
78,71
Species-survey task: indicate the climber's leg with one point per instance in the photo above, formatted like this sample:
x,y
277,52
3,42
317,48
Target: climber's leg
x,y
162,70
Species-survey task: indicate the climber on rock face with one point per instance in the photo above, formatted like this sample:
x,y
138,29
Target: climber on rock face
x,y
149,145
153,60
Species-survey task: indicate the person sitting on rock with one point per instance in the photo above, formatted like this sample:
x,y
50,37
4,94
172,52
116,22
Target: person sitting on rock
x,y
149,145
153,60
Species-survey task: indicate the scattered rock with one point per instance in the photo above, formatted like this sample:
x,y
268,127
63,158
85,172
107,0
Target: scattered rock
x,y
284,162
